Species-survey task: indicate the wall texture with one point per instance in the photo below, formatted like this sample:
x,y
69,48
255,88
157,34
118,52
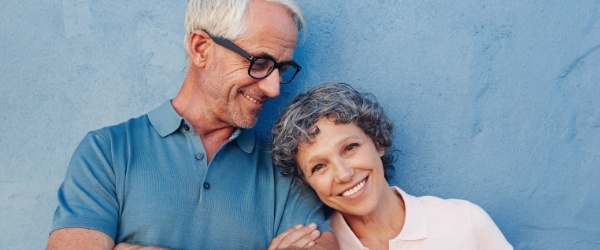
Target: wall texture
x,y
497,102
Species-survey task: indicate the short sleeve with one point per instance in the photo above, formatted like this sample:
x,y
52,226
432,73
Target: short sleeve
x,y
87,197
303,207
488,234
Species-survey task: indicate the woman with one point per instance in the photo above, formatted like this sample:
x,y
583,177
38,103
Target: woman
x,y
339,142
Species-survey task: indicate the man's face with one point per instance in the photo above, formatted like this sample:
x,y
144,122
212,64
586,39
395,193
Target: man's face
x,y
235,97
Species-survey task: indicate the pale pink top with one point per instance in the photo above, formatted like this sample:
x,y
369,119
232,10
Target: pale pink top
x,y
434,223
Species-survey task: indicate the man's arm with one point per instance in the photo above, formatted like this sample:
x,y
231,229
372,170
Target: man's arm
x,y
303,206
82,238
89,184
79,238
87,212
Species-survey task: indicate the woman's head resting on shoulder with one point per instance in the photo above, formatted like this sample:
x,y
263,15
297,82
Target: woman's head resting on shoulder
x,y
337,140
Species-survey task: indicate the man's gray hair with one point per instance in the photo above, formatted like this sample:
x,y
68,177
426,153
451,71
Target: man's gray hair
x,y
227,18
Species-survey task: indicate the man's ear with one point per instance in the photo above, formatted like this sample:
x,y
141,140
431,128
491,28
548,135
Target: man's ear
x,y
200,45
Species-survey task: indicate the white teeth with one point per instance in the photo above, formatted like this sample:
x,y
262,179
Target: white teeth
x,y
354,189
252,99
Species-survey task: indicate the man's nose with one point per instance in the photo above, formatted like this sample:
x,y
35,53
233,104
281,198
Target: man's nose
x,y
271,84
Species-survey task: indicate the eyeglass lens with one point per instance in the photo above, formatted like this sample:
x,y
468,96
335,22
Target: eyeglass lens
x,y
262,67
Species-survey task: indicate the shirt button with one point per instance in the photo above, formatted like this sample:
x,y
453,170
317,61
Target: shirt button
x,y
199,156
206,185
186,127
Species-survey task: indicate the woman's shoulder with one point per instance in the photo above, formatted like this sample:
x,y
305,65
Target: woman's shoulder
x,y
449,210
436,203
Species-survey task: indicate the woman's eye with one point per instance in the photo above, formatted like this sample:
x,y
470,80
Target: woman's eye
x,y
317,167
351,146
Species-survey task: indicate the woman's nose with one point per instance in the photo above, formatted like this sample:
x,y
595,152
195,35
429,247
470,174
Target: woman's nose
x,y
343,173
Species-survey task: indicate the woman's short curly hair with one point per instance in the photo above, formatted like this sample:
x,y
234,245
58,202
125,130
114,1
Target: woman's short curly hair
x,y
339,102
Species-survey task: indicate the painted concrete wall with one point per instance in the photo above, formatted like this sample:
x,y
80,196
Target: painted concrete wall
x,y
497,102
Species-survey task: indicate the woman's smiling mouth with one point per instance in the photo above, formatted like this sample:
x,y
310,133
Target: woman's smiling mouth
x,y
355,189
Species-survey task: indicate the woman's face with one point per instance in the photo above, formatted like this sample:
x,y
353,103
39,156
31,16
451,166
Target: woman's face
x,y
344,167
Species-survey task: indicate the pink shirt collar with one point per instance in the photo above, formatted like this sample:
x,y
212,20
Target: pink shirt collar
x,y
415,224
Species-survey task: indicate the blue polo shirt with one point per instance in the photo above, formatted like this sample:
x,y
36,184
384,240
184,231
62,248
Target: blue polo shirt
x,y
146,181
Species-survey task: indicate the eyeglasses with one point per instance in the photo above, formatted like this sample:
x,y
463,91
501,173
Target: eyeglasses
x,y
261,67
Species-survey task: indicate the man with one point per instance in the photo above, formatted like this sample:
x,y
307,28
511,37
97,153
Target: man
x,y
190,175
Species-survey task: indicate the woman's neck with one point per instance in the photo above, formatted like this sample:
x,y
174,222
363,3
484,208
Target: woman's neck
x,y
385,223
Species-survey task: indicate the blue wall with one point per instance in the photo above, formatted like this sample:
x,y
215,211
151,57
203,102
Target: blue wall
x,y
497,102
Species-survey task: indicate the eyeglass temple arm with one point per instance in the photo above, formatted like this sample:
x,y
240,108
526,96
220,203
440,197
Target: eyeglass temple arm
x,y
228,44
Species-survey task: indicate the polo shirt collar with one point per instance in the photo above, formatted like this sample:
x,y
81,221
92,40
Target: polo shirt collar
x,y
166,121
415,224
245,139
415,221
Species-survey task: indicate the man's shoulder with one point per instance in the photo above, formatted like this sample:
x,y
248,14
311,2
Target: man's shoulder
x,y
120,134
163,114
130,126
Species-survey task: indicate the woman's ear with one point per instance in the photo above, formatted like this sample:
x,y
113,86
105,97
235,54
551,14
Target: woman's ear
x,y
200,45
380,151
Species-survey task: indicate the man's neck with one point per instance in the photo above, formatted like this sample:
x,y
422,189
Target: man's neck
x,y
214,140
212,132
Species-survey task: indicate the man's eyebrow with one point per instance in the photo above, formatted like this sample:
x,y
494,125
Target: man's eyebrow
x,y
266,55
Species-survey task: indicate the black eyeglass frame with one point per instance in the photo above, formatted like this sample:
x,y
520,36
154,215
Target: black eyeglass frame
x,y
231,46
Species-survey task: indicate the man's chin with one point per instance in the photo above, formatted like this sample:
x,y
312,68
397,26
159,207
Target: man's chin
x,y
244,119
247,123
